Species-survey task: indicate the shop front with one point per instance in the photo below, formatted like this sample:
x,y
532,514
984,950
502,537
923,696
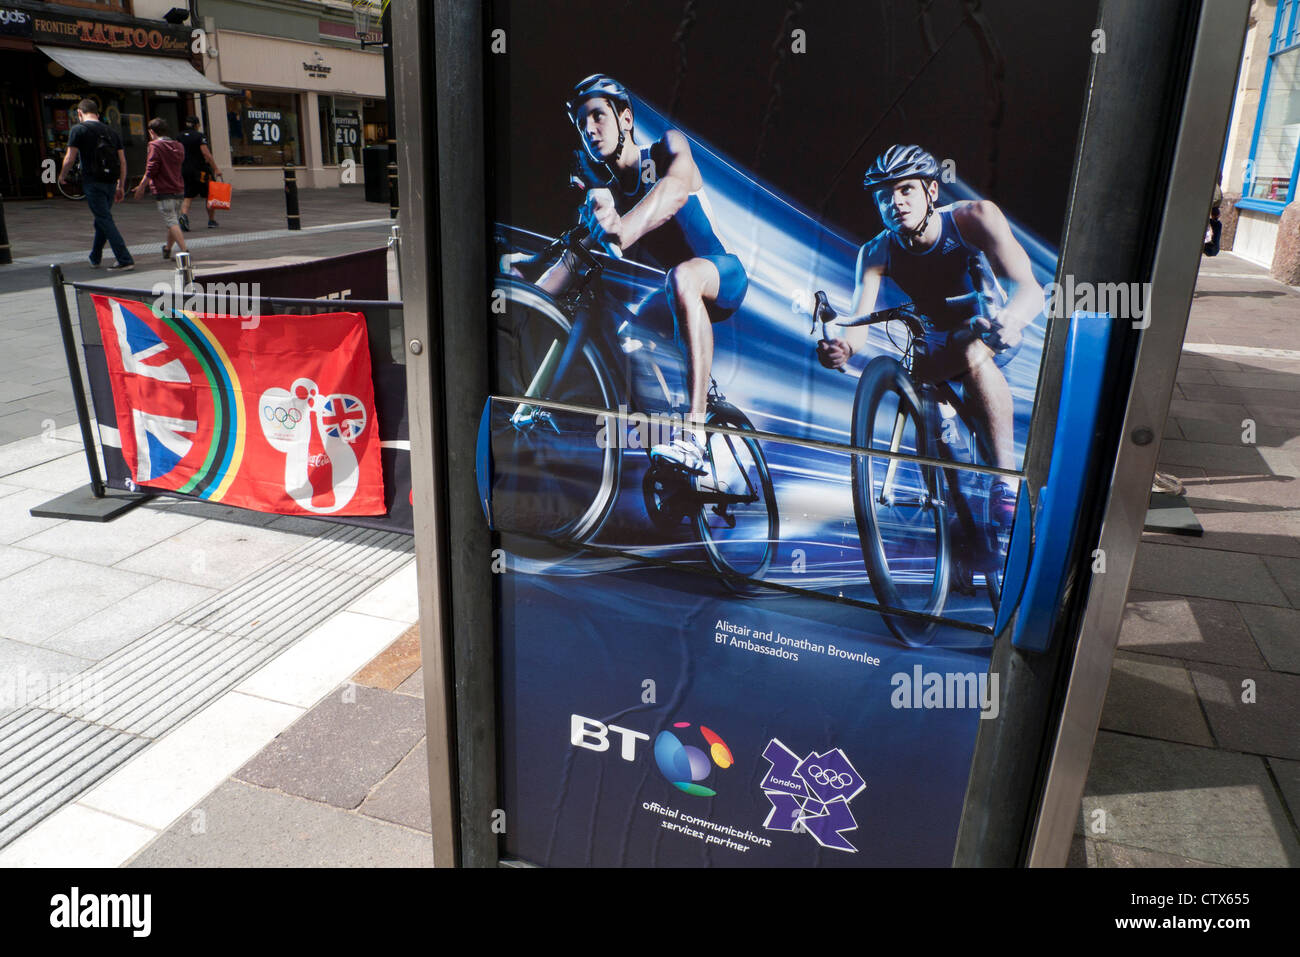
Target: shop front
x,y
55,57
1264,222
312,107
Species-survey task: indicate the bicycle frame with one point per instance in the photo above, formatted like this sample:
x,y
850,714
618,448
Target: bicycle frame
x,y
588,325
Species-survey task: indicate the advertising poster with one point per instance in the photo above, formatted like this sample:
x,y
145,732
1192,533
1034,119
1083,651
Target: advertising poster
x,y
767,309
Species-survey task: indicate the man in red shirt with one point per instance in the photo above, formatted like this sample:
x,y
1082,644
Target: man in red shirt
x,y
162,176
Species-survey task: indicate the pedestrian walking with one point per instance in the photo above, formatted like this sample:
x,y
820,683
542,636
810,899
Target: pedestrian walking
x,y
98,149
199,168
163,177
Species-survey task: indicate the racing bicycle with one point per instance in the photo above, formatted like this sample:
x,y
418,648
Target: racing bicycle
x,y
923,523
574,371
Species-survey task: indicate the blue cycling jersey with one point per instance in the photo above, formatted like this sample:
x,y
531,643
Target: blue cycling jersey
x,y
929,277
688,235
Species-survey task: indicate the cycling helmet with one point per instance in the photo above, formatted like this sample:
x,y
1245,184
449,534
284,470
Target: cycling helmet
x,y
898,163
598,84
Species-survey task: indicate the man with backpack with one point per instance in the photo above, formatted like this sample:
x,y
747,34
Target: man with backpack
x,y
103,177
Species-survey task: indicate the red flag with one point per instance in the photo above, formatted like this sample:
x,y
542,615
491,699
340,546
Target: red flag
x,y
275,414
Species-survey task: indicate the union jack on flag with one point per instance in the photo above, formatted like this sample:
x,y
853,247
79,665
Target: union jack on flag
x,y
343,417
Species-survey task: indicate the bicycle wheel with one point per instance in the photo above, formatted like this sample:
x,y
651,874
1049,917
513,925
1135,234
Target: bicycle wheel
x,y
72,188
736,517
902,522
556,472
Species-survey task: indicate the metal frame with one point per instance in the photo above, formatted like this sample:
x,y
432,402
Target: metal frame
x,y
1204,115
1155,104
444,268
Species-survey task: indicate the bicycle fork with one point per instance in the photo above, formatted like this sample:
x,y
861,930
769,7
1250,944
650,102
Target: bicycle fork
x,y
553,367
887,496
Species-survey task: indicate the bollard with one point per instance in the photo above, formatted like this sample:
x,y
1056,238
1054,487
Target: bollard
x,y
184,269
392,190
6,257
291,196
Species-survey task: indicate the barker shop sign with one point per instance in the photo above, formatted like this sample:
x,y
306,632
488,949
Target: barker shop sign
x,y
96,34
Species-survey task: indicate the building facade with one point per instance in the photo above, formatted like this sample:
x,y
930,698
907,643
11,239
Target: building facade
x,y
52,56
1261,162
306,93
274,82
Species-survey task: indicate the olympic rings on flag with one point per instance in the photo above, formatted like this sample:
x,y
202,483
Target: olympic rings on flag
x,y
286,417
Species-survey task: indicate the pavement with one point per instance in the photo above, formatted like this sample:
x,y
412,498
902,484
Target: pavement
x,y
198,722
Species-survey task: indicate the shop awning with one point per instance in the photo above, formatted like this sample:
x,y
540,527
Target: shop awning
x,y
133,71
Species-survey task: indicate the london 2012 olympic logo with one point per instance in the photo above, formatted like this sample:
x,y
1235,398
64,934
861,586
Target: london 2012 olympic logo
x,y
685,765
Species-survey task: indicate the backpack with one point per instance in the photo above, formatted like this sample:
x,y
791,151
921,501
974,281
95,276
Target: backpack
x,y
102,164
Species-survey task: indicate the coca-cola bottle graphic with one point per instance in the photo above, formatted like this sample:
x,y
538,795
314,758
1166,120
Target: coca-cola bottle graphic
x,y
320,470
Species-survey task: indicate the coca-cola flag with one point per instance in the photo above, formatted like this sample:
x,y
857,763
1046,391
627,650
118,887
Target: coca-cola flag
x,y
274,413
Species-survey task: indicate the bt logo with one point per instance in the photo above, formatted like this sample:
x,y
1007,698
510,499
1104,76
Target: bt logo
x,y
684,765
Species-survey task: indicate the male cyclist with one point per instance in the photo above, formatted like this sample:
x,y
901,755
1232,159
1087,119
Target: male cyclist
x,y
649,201
926,250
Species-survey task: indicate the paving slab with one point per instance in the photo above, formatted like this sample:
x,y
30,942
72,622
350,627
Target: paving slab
x,y
1277,633
1110,854
16,559
77,837
1199,803
403,796
414,684
1286,572
1199,629
128,619
191,760
212,554
33,451
45,599
246,826
397,597
309,670
1270,724
342,748
394,664
1205,573
56,477
1230,434
1154,697
1287,774
1268,531
107,543
26,670
16,520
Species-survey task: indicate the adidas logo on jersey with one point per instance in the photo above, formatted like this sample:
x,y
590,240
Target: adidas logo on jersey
x,y
948,245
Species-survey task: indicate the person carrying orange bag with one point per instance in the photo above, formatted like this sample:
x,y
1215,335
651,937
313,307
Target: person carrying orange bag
x,y
218,194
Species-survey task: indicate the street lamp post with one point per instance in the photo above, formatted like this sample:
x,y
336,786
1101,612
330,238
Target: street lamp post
x,y
363,16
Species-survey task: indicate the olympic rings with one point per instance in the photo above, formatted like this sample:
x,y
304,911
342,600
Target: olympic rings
x,y
286,417
825,776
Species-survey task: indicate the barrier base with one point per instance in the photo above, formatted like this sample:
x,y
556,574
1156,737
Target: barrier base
x,y
1172,515
81,505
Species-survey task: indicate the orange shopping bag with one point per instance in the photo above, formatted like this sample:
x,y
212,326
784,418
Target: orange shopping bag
x,y
218,195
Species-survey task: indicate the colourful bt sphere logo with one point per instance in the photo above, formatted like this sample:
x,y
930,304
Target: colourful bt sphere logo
x,y
685,765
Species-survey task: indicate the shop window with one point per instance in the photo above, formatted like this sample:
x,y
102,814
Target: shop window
x,y
1277,136
265,129
342,130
